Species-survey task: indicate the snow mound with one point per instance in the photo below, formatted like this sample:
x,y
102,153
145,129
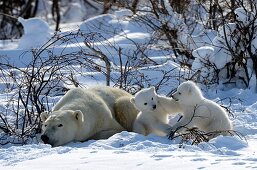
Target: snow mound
x,y
75,13
123,13
229,142
106,25
36,33
131,141
244,16
205,52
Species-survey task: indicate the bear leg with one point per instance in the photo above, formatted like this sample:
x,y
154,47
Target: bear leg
x,y
125,112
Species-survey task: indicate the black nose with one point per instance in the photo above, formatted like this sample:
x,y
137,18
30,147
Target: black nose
x,y
154,106
45,138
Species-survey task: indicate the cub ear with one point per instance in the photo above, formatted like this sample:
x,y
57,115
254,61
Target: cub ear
x,y
132,100
190,89
152,88
44,116
78,115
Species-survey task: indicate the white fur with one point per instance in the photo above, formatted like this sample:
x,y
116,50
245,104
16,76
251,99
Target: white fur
x,y
154,110
84,114
198,111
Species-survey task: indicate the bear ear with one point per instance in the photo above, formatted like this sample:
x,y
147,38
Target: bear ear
x,y
78,115
132,100
44,116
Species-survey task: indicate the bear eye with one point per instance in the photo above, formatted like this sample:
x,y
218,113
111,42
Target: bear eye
x,y
45,125
145,103
60,125
152,98
179,93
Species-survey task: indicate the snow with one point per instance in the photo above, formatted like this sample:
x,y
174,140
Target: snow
x,y
244,16
123,13
203,52
75,9
128,150
36,33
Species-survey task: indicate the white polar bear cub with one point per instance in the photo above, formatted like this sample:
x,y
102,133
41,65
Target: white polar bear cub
x,y
198,111
154,110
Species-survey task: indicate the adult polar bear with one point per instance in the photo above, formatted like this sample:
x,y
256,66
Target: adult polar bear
x,y
198,111
82,114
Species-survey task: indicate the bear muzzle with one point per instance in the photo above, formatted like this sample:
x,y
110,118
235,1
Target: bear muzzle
x,y
49,141
45,139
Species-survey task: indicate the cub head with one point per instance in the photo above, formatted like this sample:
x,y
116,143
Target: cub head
x,y
188,93
60,127
145,100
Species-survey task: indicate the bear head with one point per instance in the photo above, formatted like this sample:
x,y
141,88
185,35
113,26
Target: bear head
x,y
61,126
188,93
145,100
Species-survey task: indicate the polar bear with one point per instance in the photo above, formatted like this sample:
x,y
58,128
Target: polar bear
x,y
154,110
200,112
93,113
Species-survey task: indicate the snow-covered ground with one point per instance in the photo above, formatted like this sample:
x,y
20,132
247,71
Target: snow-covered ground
x,y
128,150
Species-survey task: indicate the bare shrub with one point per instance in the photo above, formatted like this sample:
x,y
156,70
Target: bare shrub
x,y
108,4
31,86
236,39
195,136
47,72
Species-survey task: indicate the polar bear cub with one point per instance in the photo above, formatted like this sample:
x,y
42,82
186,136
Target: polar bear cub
x,y
154,110
198,111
